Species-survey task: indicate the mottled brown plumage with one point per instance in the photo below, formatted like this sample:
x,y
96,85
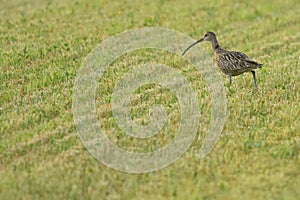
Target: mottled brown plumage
x,y
231,63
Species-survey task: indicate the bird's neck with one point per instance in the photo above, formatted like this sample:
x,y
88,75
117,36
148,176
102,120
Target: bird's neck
x,y
215,45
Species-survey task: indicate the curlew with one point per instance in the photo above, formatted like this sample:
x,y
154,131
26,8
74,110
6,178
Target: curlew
x,y
231,63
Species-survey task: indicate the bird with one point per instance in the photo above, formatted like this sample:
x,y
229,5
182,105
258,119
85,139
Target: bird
x,y
231,63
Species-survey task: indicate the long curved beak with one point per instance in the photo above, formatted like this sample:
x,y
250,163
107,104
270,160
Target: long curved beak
x,y
198,41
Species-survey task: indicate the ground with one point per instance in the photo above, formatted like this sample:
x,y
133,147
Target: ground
x,y
43,44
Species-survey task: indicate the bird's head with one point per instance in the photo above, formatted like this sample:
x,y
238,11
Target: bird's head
x,y
209,36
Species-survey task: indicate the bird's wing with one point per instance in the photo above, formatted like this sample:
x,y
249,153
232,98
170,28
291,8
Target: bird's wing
x,y
248,61
237,61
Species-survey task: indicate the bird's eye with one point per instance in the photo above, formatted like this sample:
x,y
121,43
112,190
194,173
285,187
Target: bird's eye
x,y
205,35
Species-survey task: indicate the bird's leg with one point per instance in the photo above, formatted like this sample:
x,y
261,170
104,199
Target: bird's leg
x,y
230,80
254,78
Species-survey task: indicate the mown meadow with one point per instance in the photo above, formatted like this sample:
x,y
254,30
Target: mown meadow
x,y
42,46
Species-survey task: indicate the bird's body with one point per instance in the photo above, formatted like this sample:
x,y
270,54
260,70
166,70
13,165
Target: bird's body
x,y
231,63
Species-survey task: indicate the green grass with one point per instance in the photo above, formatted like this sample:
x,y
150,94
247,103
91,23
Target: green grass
x,y
42,45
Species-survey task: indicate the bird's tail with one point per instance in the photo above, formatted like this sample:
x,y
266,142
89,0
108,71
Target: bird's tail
x,y
253,64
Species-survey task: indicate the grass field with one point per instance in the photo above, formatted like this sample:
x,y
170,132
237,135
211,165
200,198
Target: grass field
x,y
42,46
